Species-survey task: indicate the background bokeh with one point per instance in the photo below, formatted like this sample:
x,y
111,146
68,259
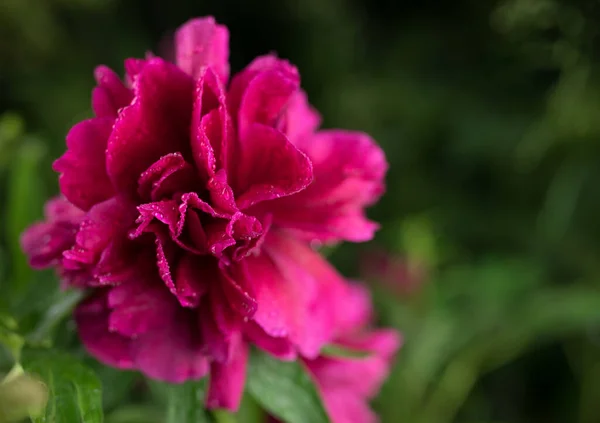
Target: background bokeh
x,y
489,112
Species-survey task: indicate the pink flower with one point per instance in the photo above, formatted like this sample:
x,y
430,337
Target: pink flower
x,y
189,204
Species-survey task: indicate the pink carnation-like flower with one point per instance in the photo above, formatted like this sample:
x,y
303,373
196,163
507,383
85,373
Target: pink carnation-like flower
x,y
189,203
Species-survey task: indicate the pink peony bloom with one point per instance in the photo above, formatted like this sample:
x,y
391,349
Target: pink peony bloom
x,y
188,206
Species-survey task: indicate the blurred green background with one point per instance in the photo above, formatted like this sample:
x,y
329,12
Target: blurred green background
x,y
489,112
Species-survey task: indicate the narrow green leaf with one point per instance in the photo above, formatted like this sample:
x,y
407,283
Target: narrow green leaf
x,y
185,403
55,314
285,390
75,391
25,198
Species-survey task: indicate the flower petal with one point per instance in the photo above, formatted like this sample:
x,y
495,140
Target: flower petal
x,y
201,42
167,176
363,376
280,348
191,280
83,178
345,406
266,95
240,83
227,379
271,167
155,124
92,317
300,120
104,223
110,95
348,169
295,290
44,242
211,125
321,300
138,305
172,353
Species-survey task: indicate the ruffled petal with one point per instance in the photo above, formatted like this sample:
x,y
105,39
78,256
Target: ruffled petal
x,y
155,124
44,242
169,175
106,222
200,43
110,348
212,129
83,180
348,176
138,325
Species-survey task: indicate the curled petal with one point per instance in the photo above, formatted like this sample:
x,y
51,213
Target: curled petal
x,y
280,348
155,124
211,125
241,81
265,97
271,167
166,177
200,43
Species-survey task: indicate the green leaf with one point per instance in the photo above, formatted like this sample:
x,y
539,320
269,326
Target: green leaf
x,y
185,403
25,199
285,390
341,351
75,391
9,336
135,413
